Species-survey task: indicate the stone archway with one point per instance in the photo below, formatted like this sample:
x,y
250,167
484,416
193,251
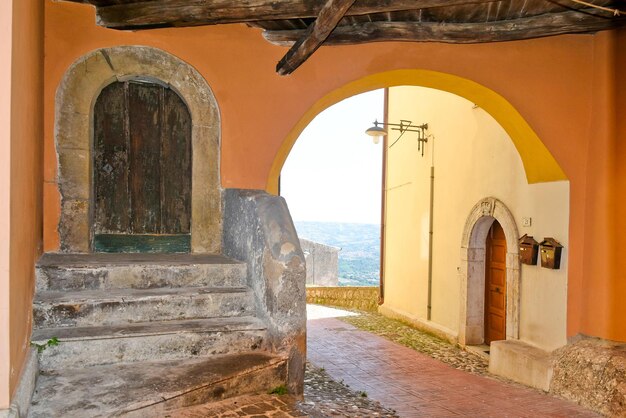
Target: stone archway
x,y
472,272
75,99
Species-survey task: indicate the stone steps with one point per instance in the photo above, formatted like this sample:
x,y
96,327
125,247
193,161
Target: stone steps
x,y
53,309
151,389
144,332
140,271
165,340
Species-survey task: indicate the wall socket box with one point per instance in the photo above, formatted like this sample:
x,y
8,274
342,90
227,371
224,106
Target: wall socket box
x,y
527,221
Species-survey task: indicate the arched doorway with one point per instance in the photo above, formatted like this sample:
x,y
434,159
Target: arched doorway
x,y
141,169
74,118
479,233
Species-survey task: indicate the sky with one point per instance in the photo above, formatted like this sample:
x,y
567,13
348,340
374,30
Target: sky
x,y
334,170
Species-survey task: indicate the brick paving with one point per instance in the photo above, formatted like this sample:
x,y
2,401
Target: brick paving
x,y
420,341
408,373
416,385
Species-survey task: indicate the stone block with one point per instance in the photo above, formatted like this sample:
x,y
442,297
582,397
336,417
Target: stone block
x,y
521,362
74,226
74,174
129,61
194,88
72,130
206,198
82,83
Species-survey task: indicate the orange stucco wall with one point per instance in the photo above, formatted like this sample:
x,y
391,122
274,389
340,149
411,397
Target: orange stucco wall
x,y
21,151
556,84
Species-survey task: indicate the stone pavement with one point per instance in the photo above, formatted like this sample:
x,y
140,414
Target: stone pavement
x,y
323,397
416,385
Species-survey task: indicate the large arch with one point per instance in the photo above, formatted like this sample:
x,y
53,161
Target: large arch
x,y
539,164
75,98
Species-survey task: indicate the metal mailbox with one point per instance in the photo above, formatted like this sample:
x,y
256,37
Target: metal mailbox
x,y
528,250
550,253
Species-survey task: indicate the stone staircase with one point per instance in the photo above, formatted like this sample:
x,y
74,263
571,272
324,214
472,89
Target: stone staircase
x,y
142,334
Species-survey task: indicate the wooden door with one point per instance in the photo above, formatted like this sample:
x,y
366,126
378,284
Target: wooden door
x,y
495,285
141,169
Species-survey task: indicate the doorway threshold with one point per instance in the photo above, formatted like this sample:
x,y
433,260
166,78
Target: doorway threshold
x,y
481,350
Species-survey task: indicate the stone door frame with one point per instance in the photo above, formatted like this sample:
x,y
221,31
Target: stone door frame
x,y
472,271
75,98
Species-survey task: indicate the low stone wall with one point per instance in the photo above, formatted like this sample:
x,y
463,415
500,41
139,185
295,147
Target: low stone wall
x,y
322,263
363,298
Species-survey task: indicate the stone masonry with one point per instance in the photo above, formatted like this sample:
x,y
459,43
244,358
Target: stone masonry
x,y
363,298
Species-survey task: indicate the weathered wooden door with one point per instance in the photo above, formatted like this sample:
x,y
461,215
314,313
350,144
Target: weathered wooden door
x,y
141,169
495,285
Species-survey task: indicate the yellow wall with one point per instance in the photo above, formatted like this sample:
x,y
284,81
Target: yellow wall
x,y
474,158
21,134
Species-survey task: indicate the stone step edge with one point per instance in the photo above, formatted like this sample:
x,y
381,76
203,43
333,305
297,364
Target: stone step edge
x,y
272,361
217,370
128,294
68,260
143,329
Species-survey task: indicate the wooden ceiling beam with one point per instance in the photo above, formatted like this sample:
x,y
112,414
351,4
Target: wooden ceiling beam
x,y
143,14
583,21
332,12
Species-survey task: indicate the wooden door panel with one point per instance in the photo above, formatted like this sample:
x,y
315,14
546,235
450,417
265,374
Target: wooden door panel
x,y
495,284
498,276
176,166
111,194
497,324
145,157
142,169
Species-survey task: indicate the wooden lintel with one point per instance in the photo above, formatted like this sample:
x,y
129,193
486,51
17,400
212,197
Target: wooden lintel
x,y
332,12
583,21
135,14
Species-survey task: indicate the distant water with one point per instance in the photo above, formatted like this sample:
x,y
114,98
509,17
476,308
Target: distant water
x,y
359,258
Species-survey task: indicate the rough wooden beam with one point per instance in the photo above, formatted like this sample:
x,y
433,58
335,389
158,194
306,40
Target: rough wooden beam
x,y
130,14
460,33
332,12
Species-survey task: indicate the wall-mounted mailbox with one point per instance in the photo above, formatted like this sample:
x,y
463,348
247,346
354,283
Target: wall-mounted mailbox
x,y
550,253
528,250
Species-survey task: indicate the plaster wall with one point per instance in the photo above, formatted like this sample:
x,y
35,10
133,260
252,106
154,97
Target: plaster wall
x,y
550,81
474,158
21,107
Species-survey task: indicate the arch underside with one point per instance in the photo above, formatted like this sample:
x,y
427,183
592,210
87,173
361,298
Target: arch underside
x,y
539,164
75,99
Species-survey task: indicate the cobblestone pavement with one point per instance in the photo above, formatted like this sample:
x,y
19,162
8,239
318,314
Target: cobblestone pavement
x,y
323,397
416,385
420,341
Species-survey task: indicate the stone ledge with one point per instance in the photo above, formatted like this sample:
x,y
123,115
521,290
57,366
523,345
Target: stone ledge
x,y
26,386
420,324
521,362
